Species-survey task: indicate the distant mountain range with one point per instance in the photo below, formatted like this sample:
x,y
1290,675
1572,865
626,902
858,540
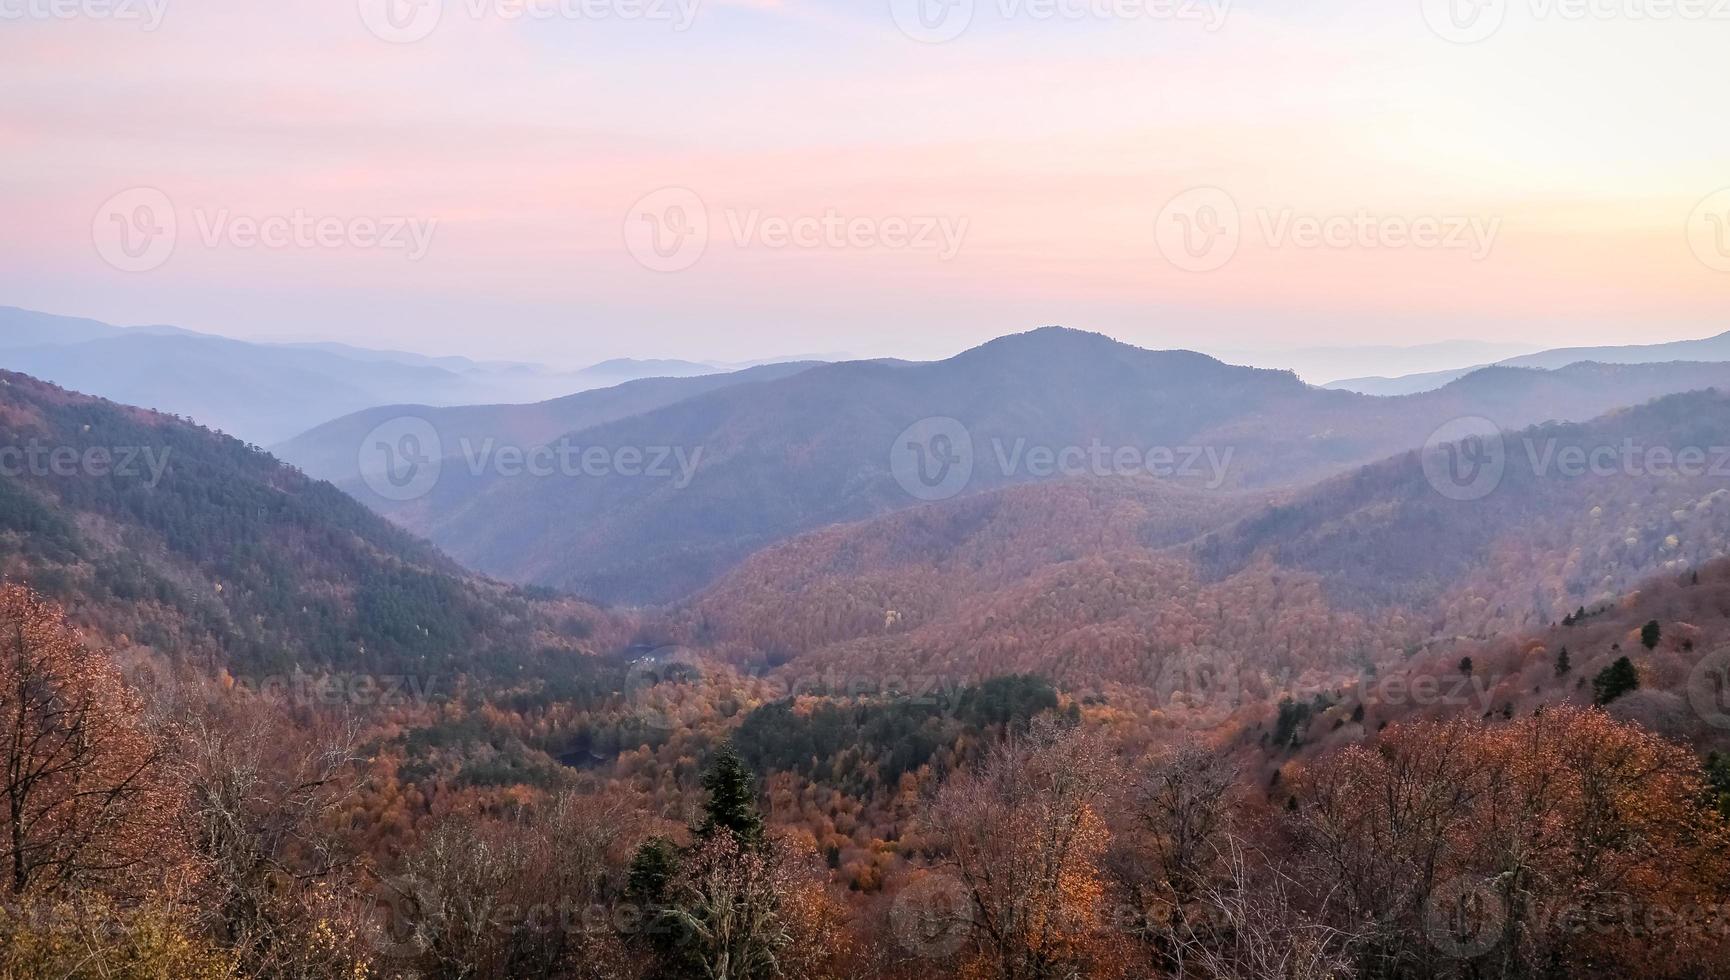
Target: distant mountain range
x,y
771,459
1311,535
1705,349
334,451
265,393
1325,365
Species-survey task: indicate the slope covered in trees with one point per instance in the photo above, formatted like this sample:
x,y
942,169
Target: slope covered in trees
x,y
160,533
1124,582
1678,685
1112,728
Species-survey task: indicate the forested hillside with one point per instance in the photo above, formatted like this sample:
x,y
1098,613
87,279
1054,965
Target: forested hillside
x,y
157,532
1123,583
1176,701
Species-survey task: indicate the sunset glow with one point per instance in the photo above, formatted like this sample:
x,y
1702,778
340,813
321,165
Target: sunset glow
x,y
525,144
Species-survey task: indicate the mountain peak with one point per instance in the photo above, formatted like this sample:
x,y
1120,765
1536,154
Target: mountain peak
x,y
1055,349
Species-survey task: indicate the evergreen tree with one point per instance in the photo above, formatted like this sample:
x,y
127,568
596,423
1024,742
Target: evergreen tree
x,y
732,804
1562,664
1289,726
1466,666
1718,783
1614,681
1650,634
652,869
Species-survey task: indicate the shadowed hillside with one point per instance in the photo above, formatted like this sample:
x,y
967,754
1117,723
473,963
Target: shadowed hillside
x,y
157,532
843,442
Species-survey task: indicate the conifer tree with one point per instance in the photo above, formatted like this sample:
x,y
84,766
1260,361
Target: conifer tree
x,y
1650,634
1614,681
732,804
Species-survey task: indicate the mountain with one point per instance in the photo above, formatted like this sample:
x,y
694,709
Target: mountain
x,y
266,393
1325,365
1716,348
1137,585
27,328
749,465
769,459
333,451
162,534
259,393
1405,384
1576,514
622,369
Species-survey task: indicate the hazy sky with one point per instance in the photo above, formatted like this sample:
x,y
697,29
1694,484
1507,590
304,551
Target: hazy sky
x,y
577,179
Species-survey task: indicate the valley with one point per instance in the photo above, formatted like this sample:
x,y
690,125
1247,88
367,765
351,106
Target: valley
x,y
870,652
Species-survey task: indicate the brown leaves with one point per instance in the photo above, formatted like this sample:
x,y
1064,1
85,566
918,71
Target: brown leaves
x,y
1562,835
1024,839
87,798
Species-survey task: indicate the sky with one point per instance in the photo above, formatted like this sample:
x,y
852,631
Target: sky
x,y
570,180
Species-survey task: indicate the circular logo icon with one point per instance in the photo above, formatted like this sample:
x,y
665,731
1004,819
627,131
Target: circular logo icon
x,y
1464,21
1465,917
1198,687
400,459
401,21
411,911
1709,230
157,682
1465,458
932,459
1198,230
932,21
667,665
932,917
135,230
667,230
1709,688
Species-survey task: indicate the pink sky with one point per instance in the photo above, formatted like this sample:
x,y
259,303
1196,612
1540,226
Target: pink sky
x,y
1056,145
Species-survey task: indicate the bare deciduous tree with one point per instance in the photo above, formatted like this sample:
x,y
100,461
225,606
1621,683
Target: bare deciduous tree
x,y
88,794
282,891
1170,834
1255,930
1025,837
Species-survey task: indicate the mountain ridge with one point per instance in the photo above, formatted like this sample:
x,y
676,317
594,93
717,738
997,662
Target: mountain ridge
x,y
820,447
